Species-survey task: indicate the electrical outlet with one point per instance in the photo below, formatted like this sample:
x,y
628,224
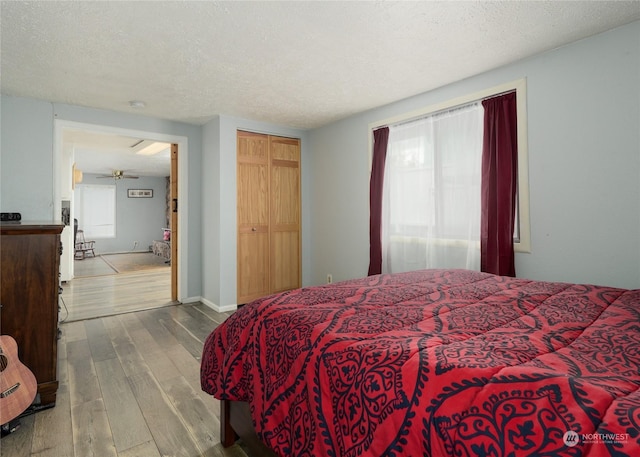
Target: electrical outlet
x,y
329,278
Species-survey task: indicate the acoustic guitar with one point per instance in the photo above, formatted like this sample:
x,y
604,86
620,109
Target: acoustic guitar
x,y
18,385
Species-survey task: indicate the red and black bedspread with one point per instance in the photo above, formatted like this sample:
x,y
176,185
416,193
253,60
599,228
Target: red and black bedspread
x,y
435,363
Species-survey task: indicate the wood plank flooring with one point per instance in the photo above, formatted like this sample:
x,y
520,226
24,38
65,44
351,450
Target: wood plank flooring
x,y
129,387
105,295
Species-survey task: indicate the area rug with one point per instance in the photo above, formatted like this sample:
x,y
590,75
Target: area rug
x,y
135,261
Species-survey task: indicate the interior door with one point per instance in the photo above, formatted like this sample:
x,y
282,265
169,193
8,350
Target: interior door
x,y
253,216
285,213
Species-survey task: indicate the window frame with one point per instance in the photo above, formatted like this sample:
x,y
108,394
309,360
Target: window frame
x,y
522,242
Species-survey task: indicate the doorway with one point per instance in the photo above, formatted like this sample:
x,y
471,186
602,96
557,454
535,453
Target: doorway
x,y
176,165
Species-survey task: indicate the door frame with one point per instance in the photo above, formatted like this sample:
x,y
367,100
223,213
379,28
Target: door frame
x,y
183,151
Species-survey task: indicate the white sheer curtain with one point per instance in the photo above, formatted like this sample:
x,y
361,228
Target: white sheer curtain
x,y
431,196
96,210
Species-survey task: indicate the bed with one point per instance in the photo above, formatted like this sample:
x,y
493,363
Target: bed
x,y
432,363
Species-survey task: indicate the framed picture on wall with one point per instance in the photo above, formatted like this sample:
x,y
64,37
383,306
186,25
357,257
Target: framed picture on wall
x,y
140,193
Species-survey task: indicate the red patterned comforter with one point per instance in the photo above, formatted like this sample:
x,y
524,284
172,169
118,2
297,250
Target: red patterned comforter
x,y
435,363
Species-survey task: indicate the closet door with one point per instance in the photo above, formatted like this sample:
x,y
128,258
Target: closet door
x,y
285,213
253,216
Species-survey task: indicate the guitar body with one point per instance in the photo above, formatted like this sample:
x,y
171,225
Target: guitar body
x,y
18,385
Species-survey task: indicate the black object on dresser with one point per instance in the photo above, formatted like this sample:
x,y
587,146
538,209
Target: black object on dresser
x,y
10,217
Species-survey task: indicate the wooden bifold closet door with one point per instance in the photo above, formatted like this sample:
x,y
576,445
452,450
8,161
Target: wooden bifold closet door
x,y
269,239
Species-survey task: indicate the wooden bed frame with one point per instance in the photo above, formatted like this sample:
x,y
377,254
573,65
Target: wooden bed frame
x,y
235,422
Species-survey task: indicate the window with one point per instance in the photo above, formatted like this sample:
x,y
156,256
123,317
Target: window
x,y
431,197
95,209
432,176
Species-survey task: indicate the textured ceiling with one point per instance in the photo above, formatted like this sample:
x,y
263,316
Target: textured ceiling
x,y
298,64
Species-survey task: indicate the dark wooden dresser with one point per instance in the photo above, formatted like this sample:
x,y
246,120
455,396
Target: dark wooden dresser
x,y
29,283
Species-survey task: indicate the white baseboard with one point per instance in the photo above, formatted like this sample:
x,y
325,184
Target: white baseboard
x,y
191,300
217,308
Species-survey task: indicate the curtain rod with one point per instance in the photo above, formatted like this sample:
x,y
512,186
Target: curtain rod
x,y
445,110
499,94
451,109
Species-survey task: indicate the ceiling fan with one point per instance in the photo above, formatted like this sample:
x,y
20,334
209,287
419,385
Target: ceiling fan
x,y
119,174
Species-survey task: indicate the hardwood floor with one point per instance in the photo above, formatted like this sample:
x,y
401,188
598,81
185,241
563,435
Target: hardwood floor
x,y
101,291
129,387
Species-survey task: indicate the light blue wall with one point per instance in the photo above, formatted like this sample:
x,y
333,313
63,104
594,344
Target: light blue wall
x,y
26,160
212,239
584,166
28,154
138,220
584,171
27,181
219,214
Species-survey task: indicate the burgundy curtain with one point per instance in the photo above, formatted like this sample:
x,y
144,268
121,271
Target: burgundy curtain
x,y
499,184
380,140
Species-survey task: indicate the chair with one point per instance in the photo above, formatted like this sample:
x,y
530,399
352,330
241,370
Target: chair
x,y
83,248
